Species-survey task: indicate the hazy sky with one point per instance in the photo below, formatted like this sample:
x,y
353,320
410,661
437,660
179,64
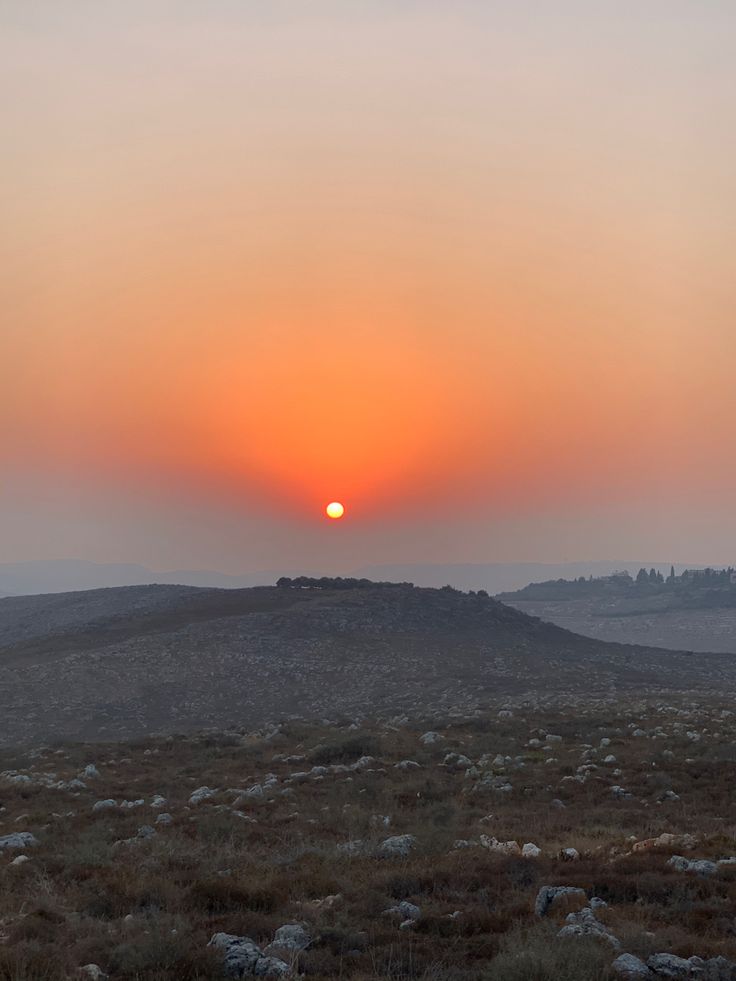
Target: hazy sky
x,y
466,266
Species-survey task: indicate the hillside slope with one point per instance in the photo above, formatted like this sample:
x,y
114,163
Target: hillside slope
x,y
121,662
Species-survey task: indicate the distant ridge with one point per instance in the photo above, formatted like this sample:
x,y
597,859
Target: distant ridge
x,y
65,575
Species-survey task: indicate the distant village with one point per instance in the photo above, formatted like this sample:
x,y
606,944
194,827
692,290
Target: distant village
x,y
706,577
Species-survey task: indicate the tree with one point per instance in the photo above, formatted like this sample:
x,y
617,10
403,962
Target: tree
x,y
642,576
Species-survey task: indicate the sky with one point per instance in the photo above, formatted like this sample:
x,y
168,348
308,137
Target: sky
x,y
466,267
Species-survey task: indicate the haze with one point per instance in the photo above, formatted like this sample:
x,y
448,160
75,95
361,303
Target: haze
x,y
467,268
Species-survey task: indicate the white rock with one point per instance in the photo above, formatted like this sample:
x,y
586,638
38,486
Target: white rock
x,y
291,936
93,972
202,793
630,967
104,805
397,846
18,839
431,737
530,850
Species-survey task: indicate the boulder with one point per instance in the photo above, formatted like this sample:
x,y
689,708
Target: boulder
x,y
671,966
630,967
18,839
697,867
502,847
548,895
244,958
583,923
406,910
93,972
104,805
397,846
530,850
202,793
429,738
290,937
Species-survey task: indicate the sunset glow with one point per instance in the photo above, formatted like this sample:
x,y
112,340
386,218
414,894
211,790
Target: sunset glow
x,y
491,244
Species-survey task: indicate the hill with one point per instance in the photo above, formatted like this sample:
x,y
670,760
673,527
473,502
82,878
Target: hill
x,y
121,662
695,610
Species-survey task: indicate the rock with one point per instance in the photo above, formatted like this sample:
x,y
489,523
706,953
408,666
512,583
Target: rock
x,y
670,966
20,860
18,839
502,847
665,840
630,967
104,805
583,923
457,761
429,738
157,801
548,895
719,969
619,793
244,958
202,793
129,805
407,765
406,910
90,772
570,855
93,972
352,848
397,846
505,714
291,936
530,850
697,867
560,805
146,831
164,818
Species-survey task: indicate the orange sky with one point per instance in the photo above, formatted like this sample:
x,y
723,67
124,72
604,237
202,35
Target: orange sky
x,y
432,260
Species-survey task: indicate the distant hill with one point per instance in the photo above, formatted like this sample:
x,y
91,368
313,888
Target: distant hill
x,y
695,610
63,575
116,662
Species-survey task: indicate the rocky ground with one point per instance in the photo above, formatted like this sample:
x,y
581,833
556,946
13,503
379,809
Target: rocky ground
x,y
588,841
119,663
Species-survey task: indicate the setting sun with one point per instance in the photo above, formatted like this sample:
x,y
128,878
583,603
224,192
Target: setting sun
x,y
334,510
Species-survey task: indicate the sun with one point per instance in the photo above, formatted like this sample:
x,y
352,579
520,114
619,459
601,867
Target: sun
x,y
334,510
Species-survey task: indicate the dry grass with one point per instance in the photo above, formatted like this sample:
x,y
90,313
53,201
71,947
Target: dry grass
x,y
147,910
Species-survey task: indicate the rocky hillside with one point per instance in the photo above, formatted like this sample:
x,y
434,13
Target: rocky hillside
x,y
120,662
591,842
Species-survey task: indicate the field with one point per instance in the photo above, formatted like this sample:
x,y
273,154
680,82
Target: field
x,y
243,833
